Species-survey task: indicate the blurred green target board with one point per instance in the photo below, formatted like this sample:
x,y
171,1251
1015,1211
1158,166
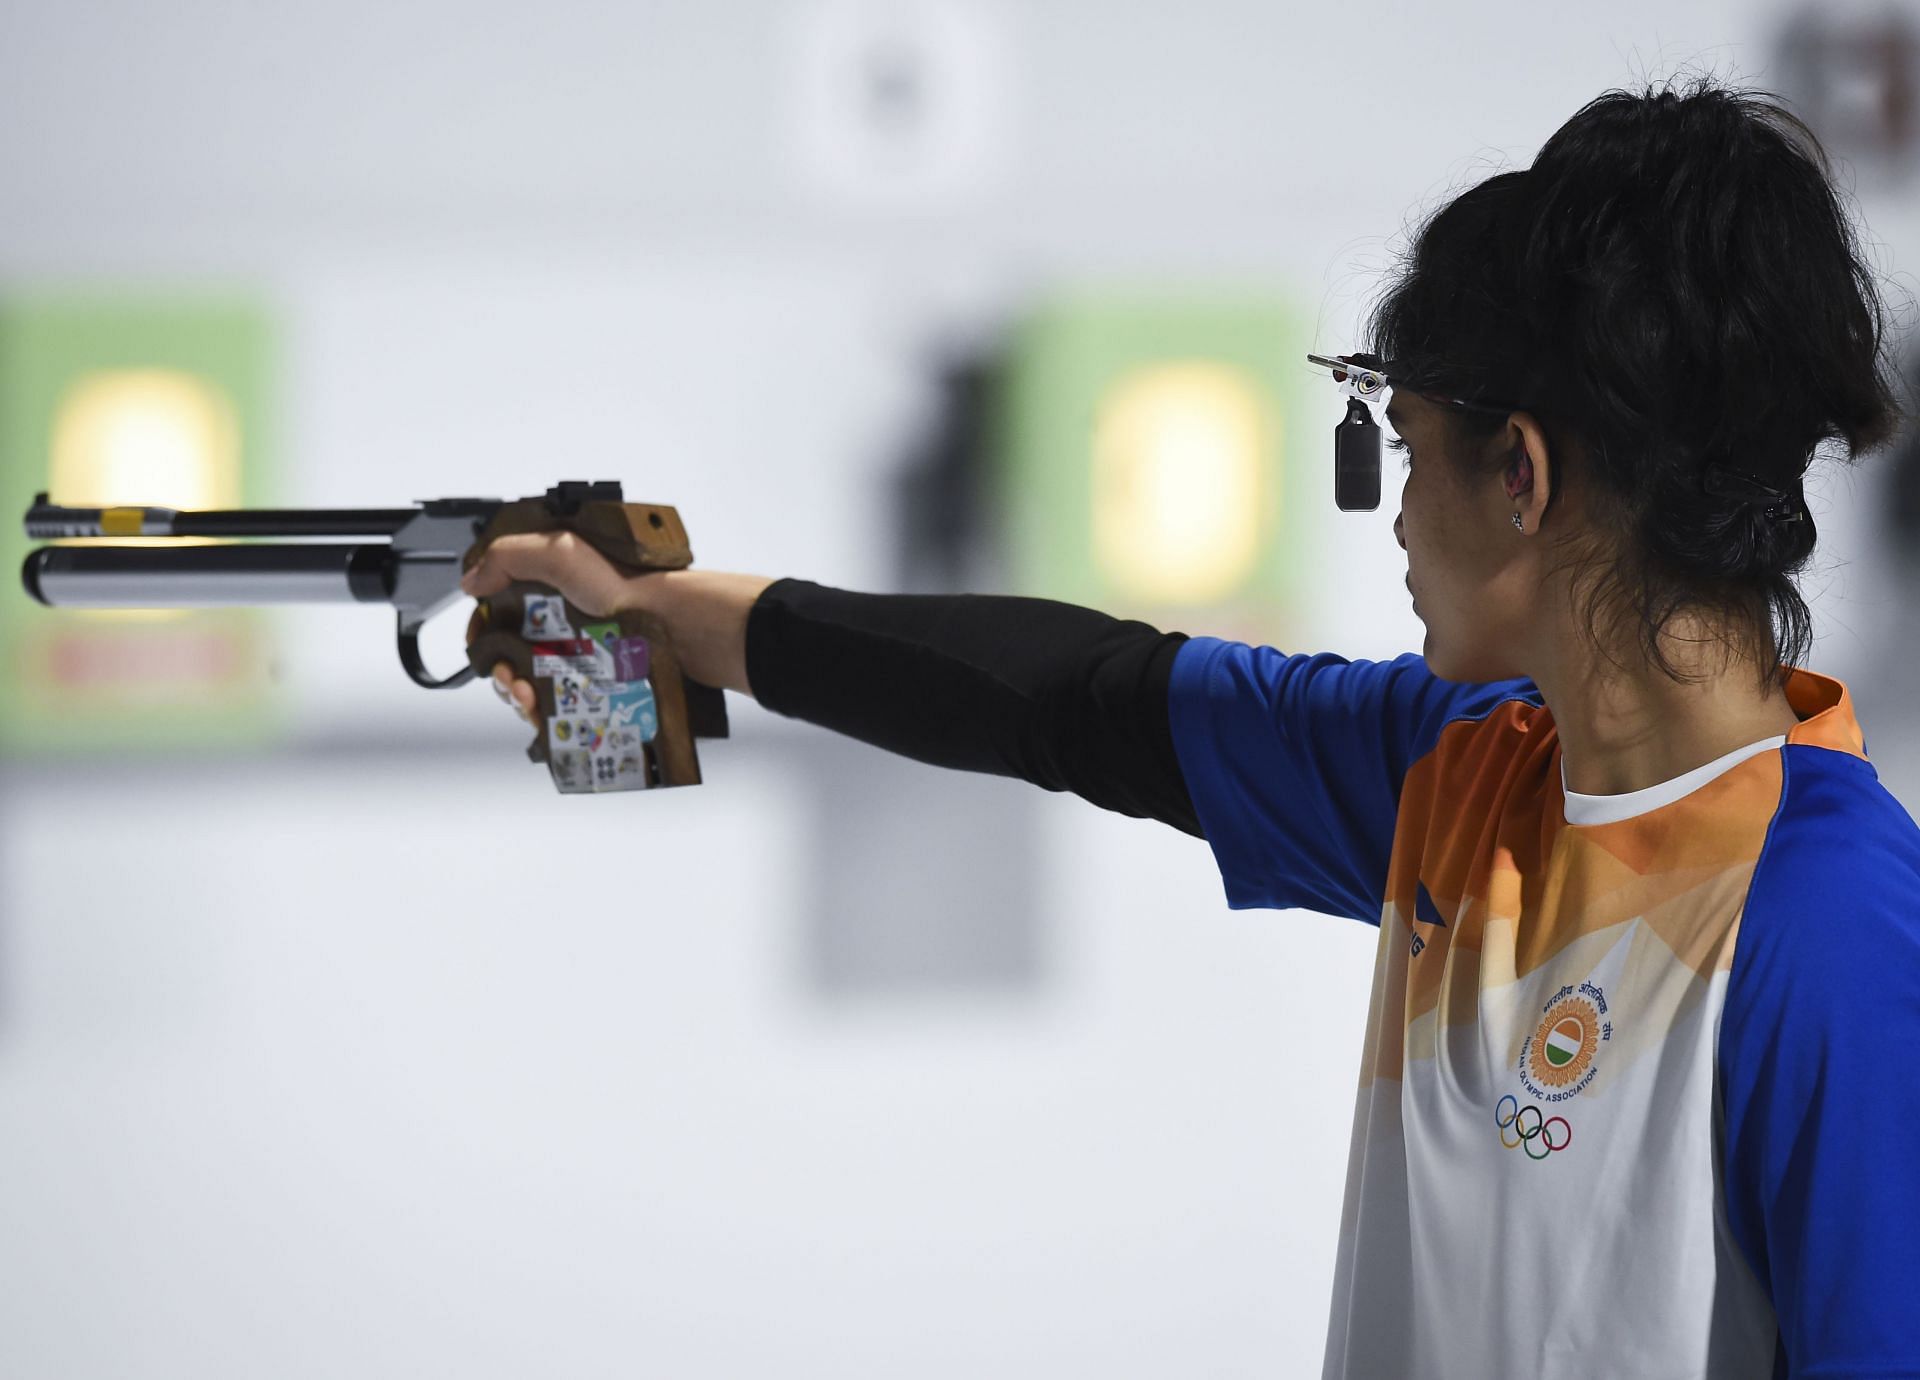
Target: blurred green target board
x,y
1150,449
137,399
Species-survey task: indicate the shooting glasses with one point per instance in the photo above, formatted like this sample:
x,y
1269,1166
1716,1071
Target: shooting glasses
x,y
1356,441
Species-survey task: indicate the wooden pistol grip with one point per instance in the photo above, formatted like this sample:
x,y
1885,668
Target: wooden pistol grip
x,y
659,703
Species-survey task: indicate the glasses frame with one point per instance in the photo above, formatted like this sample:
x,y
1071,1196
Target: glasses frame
x,y
1356,440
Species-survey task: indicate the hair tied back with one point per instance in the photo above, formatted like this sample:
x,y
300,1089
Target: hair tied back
x,y
1776,506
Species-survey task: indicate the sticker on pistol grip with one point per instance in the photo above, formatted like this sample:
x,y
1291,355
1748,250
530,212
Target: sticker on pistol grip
x,y
630,705
579,655
579,695
600,637
615,770
545,618
572,770
623,738
632,658
587,734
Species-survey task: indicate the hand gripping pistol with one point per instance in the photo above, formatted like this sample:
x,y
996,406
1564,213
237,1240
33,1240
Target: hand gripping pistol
x,y
614,711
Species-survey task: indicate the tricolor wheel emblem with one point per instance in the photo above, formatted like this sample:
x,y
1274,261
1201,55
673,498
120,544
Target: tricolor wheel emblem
x,y
1564,1041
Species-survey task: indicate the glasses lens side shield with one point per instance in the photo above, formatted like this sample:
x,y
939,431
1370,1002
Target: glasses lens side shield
x,y
1356,460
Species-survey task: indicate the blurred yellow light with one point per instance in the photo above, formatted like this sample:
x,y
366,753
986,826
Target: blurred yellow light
x,y
150,438
1181,458
145,437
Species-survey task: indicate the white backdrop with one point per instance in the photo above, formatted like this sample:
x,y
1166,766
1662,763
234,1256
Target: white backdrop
x,y
332,1062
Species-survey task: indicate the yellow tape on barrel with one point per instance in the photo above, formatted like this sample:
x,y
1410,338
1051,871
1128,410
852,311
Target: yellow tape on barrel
x,y
121,522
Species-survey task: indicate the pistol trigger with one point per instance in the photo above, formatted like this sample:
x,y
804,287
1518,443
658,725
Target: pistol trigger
x,y
416,668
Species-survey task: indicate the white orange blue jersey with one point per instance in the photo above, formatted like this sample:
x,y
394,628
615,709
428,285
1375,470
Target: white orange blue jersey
x,y
1640,1094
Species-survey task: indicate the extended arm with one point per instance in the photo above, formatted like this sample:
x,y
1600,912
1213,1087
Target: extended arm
x,y
1062,696
1066,697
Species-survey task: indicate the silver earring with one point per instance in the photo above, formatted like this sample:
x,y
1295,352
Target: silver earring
x,y
1518,525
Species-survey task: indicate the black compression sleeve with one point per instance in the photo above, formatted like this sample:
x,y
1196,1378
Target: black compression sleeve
x,y
1065,697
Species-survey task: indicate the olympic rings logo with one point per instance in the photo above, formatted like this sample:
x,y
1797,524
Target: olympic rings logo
x,y
1519,1132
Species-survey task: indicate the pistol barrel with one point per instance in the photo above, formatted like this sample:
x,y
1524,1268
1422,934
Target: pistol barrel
x,y
126,577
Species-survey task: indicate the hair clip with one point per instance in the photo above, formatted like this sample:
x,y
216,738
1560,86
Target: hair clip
x,y
1775,505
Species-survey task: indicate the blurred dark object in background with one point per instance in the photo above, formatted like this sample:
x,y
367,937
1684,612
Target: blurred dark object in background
x,y
1852,79
1903,486
943,544
920,881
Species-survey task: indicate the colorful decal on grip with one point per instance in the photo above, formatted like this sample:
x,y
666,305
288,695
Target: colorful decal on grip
x,y
572,770
545,618
632,658
604,712
579,694
630,705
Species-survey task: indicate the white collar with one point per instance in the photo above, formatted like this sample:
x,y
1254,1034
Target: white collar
x,y
1611,809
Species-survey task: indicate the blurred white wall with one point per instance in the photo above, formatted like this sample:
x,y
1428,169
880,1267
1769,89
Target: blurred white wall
x,y
328,1064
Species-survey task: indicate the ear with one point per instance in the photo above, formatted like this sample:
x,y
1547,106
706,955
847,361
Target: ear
x,y
1526,479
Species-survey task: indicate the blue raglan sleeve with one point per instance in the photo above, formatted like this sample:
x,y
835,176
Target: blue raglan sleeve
x,y
1820,1073
1295,763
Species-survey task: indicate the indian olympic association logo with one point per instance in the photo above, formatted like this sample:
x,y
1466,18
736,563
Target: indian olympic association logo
x,y
1556,1060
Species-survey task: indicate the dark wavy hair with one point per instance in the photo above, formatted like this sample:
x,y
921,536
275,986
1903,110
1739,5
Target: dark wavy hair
x,y
1673,284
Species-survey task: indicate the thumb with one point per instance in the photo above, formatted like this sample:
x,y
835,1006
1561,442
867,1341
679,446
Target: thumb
x,y
559,560
528,556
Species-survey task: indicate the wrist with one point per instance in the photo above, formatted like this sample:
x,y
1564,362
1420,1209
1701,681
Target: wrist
x,y
705,615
